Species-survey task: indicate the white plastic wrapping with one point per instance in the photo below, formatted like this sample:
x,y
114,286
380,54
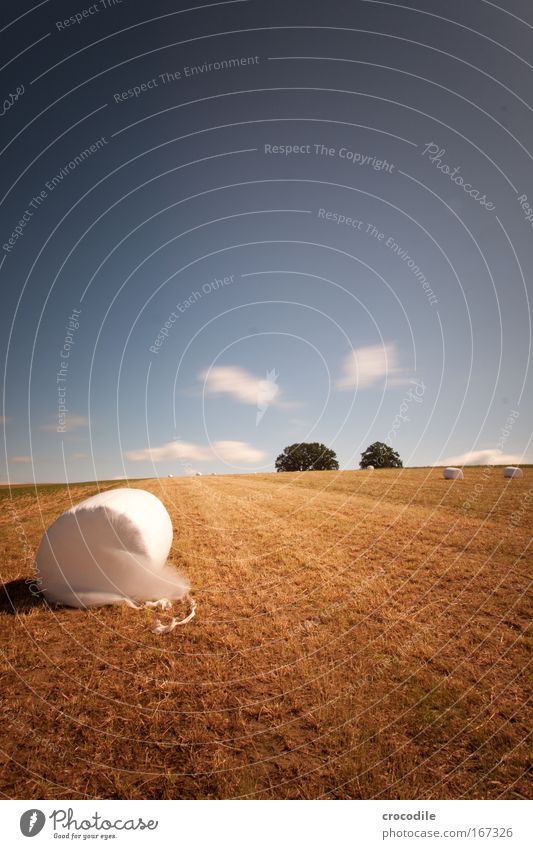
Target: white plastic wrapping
x,y
512,472
107,549
453,473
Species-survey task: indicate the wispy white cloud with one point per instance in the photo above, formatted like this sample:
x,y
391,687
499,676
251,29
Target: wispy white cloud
x,y
242,385
231,451
21,458
80,455
268,391
481,457
369,365
237,452
71,423
175,450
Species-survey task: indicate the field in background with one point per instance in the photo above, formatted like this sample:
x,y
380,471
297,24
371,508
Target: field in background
x,y
358,635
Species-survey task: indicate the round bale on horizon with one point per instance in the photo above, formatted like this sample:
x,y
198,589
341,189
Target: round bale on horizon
x,y
512,472
453,473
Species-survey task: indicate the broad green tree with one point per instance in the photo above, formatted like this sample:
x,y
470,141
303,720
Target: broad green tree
x,y
380,456
306,457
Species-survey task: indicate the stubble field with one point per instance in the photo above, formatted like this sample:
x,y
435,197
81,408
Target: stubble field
x,y
358,635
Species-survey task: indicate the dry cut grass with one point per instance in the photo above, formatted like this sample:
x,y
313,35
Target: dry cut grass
x,y
359,635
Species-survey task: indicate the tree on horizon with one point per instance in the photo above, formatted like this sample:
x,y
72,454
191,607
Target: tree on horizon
x,y
381,456
306,457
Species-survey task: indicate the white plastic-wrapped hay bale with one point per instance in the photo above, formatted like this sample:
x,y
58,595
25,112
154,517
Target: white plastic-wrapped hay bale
x,y
370,468
453,473
512,472
110,548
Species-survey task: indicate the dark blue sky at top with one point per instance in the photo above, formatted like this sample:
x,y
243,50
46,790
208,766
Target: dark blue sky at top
x,y
180,193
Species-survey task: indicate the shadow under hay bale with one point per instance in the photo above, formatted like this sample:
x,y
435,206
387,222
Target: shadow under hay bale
x,y
20,596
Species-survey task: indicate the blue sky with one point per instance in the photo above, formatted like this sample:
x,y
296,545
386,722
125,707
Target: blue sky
x,y
231,300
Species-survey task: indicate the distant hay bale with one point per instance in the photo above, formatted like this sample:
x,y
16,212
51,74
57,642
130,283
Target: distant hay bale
x,y
453,473
512,472
370,468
